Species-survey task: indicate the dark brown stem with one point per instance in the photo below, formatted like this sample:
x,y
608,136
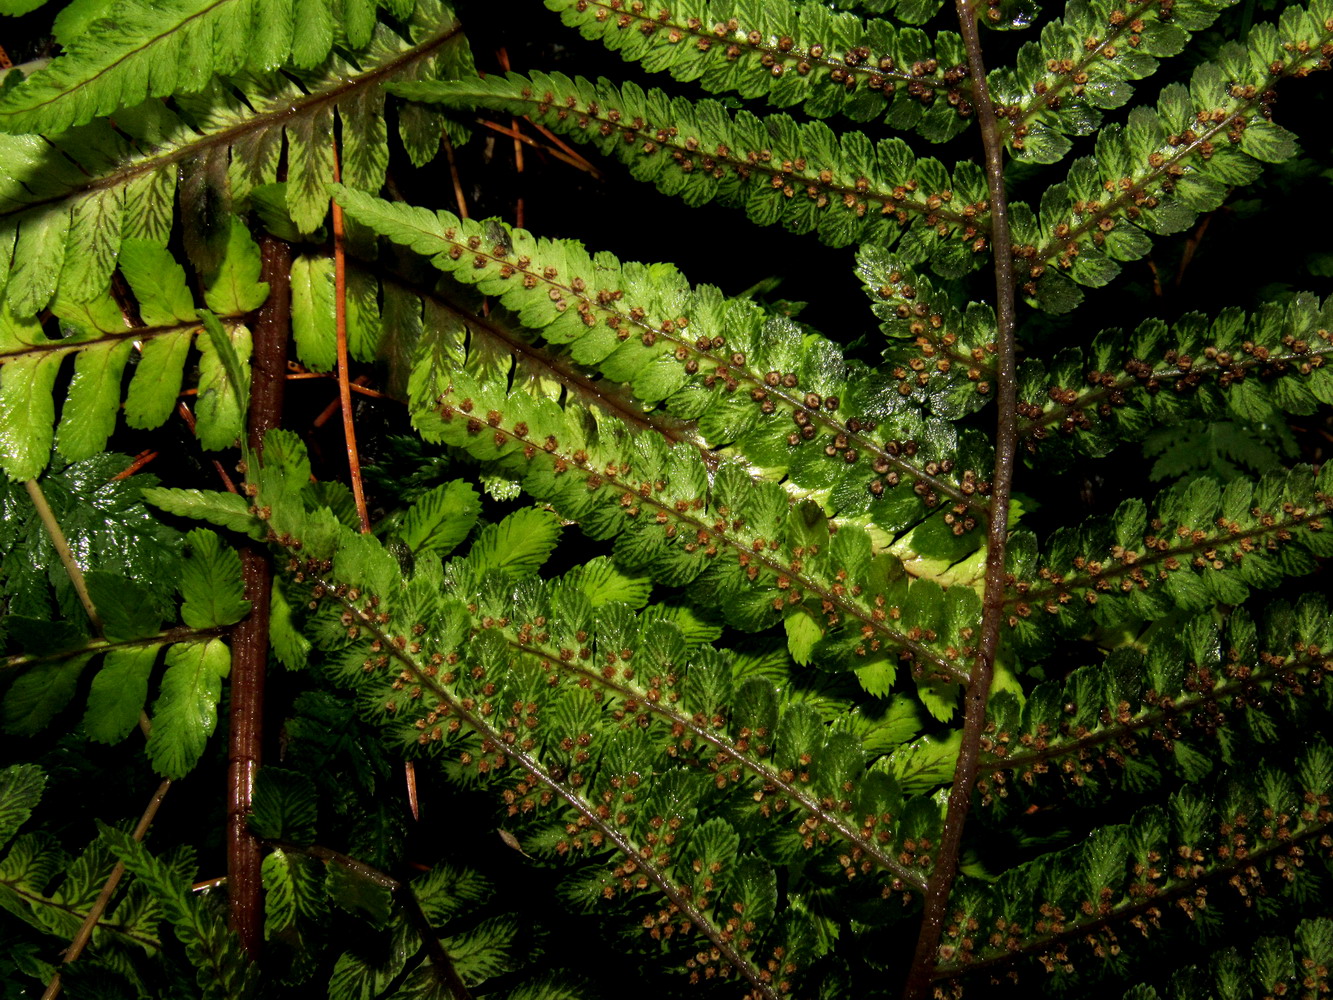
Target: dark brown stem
x,y
272,329
1006,438
250,638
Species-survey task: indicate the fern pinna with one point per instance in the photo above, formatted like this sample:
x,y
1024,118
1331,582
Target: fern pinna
x,y
758,660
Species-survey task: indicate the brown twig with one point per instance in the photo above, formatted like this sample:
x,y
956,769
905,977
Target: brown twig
x,y
453,176
1006,438
503,58
188,417
410,776
140,460
575,161
1191,248
344,380
250,637
85,931
357,385
564,147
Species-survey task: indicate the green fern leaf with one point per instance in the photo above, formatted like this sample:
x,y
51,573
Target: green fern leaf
x,y
37,696
313,312
185,713
293,890
775,169
89,413
603,582
21,788
358,893
310,141
478,954
234,287
139,51
801,53
16,8
448,891
124,607
38,257
83,882
284,806
290,645
279,892
210,582
441,519
227,510
93,242
158,283
119,693
518,545
27,411
29,866
224,383
924,764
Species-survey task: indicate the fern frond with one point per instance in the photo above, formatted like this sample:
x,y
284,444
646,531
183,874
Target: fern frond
x,y
1248,367
30,867
137,176
227,138
199,925
1138,718
611,701
1127,877
516,548
139,51
694,350
1081,67
21,788
45,887
131,608
604,827
101,340
1268,966
1167,165
1203,544
804,177
793,53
